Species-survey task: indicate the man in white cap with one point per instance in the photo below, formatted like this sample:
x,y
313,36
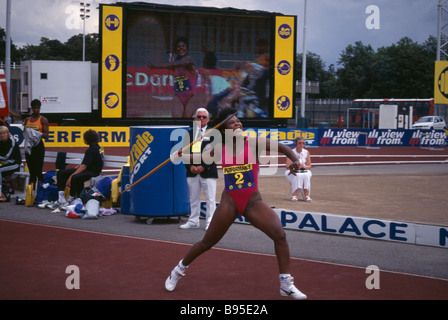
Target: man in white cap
x,y
200,176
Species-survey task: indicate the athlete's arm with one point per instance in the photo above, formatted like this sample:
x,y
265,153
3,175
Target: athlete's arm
x,y
274,146
45,127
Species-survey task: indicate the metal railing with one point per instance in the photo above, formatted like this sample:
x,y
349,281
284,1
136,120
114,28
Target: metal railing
x,y
14,65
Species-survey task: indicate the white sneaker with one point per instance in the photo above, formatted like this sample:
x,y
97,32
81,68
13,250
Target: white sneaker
x,y
288,289
57,204
49,204
64,205
43,204
175,276
189,225
54,205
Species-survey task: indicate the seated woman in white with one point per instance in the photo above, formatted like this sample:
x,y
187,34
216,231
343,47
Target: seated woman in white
x,y
302,179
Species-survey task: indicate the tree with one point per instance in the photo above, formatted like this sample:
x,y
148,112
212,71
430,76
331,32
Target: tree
x,y
46,50
74,46
406,70
356,75
402,70
55,50
2,44
315,71
15,53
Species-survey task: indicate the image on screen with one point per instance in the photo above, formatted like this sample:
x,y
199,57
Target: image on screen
x,y
180,61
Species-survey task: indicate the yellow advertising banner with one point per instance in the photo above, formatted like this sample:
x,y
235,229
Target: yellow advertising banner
x,y
284,67
112,62
441,82
73,136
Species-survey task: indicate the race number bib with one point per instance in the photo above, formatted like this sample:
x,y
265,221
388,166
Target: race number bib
x,y
239,177
181,84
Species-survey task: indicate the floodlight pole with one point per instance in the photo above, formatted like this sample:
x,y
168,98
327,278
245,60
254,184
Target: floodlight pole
x,y
84,16
303,96
442,35
8,49
439,18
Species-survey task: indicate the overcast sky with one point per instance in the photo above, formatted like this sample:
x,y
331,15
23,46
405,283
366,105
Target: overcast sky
x,y
331,24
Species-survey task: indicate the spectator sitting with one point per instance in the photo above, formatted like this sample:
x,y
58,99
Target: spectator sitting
x,y
302,179
10,159
91,166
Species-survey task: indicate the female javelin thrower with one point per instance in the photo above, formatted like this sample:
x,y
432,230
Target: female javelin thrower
x,y
241,196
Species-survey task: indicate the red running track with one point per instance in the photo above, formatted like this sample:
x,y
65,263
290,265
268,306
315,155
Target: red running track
x,y
34,259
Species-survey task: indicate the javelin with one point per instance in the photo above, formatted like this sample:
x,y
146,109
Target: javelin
x,y
182,150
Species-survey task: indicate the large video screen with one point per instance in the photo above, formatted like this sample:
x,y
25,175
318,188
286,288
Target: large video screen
x,y
180,61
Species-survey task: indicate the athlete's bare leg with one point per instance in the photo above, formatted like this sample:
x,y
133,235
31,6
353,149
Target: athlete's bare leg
x,y
225,214
261,216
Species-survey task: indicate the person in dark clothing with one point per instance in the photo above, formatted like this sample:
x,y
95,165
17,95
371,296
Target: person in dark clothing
x,y
35,158
91,166
10,158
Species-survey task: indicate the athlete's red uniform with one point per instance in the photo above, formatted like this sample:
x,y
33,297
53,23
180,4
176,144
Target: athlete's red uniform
x,y
240,175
